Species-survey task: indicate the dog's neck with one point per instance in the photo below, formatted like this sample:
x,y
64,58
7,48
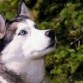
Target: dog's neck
x,y
32,71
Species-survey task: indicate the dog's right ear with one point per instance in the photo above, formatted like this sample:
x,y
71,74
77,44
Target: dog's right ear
x,y
23,9
2,27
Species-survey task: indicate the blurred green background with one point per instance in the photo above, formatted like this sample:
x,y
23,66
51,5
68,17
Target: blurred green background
x,y
65,63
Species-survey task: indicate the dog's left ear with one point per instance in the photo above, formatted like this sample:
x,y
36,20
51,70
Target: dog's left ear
x,y
2,27
23,10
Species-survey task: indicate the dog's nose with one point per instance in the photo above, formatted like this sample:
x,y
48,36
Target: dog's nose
x,y
50,33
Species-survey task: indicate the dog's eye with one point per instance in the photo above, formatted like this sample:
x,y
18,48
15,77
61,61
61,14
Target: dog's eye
x,y
22,32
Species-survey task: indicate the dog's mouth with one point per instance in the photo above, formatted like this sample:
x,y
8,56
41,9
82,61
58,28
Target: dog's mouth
x,y
52,44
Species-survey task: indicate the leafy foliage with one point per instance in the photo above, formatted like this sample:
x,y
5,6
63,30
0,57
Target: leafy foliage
x,y
64,64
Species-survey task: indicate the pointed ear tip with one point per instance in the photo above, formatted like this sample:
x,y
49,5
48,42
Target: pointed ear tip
x,y
23,9
1,16
22,1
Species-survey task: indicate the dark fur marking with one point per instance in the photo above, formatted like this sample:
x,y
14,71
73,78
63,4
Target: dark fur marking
x,y
10,30
10,76
1,44
19,18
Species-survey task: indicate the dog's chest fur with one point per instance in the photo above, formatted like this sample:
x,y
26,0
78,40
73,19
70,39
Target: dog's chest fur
x,y
31,71
35,71
7,76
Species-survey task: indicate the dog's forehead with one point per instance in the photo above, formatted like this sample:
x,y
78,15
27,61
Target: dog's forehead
x,y
28,23
21,21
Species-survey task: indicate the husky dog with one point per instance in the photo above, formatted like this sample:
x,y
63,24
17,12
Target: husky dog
x,y
23,47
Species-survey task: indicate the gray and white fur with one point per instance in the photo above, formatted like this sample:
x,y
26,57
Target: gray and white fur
x,y
23,48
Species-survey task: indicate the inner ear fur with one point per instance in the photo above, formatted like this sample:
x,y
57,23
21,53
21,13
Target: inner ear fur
x,y
2,27
23,9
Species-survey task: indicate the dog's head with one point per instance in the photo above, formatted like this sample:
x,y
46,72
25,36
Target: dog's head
x,y
23,36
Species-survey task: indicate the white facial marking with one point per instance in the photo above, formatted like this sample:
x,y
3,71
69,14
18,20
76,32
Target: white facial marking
x,y
28,41
24,54
34,42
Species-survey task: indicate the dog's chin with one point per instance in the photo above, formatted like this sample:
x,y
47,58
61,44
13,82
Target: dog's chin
x,y
46,50
49,48
51,45
39,54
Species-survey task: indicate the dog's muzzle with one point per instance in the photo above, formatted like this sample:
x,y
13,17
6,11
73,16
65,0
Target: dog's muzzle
x,y
51,35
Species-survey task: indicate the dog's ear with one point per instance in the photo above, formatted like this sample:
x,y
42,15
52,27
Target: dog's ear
x,y
23,10
2,26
